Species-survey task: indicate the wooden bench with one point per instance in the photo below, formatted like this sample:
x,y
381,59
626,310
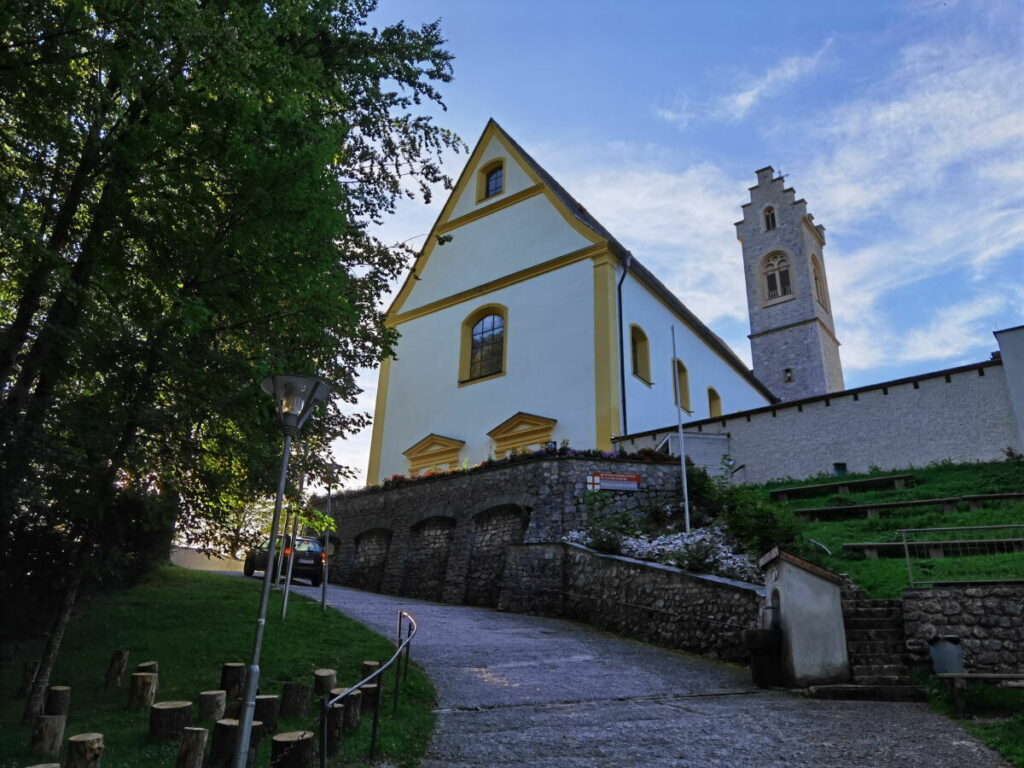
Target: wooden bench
x,y
842,487
872,510
977,501
958,682
873,550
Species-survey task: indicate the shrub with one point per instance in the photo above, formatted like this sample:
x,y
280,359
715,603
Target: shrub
x,y
756,523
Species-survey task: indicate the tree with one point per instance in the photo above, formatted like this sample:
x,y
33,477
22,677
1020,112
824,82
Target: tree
x,y
188,190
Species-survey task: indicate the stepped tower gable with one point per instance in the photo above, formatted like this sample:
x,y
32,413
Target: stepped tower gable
x,y
792,334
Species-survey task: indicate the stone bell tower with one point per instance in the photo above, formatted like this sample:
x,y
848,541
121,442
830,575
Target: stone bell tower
x,y
792,337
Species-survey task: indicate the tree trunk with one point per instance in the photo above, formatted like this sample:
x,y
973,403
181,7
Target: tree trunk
x,y
167,719
295,700
353,709
47,734
58,700
115,669
192,749
293,749
142,691
34,705
335,724
324,680
84,751
28,674
149,666
211,706
225,739
268,711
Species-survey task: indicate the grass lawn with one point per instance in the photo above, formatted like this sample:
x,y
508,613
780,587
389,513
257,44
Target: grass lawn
x,y
192,622
996,716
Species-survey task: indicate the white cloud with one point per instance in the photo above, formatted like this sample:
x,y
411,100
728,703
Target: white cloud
x,y
735,106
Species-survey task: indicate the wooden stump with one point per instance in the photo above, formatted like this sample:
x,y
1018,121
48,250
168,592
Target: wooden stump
x,y
335,724
295,699
225,738
369,667
192,749
353,709
167,719
293,749
371,693
324,680
58,700
211,706
115,669
84,751
149,666
142,690
232,679
28,674
268,711
47,734
45,765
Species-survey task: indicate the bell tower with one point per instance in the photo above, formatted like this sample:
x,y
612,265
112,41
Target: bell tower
x,y
792,336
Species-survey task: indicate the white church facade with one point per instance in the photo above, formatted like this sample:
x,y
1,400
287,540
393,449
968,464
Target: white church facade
x,y
523,322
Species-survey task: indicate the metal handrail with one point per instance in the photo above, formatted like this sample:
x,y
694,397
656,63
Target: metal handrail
x,y
407,620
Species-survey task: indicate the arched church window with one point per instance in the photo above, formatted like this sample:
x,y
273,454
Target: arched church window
x,y
819,282
776,276
491,180
641,353
714,403
769,219
681,384
483,344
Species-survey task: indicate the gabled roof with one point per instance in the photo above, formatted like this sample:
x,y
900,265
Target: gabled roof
x,y
625,257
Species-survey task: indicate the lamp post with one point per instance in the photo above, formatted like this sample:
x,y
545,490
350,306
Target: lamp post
x,y
295,398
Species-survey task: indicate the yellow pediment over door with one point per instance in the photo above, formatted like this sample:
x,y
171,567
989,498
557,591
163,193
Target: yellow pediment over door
x,y
522,431
433,452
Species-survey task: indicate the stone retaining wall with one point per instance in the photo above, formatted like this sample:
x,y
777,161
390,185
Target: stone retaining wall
x,y
651,602
988,619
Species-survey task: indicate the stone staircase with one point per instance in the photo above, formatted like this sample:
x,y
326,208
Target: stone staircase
x,y
875,647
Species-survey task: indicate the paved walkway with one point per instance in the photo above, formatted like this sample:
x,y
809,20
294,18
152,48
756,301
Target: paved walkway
x,y
536,692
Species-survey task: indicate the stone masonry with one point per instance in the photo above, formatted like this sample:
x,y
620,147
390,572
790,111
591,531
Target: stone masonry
x,y
647,601
383,544
988,619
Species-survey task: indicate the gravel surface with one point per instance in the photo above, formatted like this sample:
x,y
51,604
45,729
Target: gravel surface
x,y
529,691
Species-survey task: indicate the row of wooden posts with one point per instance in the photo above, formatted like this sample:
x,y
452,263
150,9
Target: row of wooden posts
x,y
170,720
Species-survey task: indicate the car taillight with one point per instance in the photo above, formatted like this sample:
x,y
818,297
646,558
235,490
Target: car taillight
x,y
287,551
323,557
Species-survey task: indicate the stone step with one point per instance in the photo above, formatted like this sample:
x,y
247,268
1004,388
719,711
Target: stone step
x,y
875,670
873,623
876,659
873,613
867,692
869,647
860,635
883,680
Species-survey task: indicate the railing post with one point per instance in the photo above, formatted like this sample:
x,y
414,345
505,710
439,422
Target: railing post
x,y
323,731
376,722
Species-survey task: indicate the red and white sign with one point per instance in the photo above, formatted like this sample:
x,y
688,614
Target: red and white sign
x,y
612,481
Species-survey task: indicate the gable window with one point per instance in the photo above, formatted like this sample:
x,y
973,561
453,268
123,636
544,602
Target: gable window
x,y
483,344
491,180
769,219
714,403
776,277
681,385
641,353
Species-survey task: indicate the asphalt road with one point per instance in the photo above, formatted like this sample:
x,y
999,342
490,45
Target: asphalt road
x,y
524,691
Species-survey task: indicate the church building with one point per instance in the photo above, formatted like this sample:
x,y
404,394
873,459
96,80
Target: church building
x,y
524,321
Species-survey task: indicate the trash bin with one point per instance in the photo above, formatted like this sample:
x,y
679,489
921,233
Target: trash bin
x,y
946,654
765,646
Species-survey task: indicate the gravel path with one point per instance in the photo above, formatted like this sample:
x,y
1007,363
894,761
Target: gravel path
x,y
528,691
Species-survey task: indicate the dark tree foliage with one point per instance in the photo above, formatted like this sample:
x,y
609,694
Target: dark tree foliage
x,y
186,194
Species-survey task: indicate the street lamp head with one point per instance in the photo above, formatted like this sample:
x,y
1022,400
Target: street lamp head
x,y
295,398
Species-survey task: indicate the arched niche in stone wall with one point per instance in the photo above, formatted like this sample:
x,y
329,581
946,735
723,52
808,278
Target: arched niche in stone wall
x,y
372,549
494,530
426,557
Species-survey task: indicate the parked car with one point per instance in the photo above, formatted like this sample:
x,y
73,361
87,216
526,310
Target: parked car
x,y
309,558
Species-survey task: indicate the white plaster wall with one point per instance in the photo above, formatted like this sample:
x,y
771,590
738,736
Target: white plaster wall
x,y
550,370
651,407
506,241
811,619
516,180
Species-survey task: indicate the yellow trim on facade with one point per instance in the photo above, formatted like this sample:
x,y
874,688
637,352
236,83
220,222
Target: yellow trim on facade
x,y
494,285
377,436
433,451
466,343
608,418
487,210
521,431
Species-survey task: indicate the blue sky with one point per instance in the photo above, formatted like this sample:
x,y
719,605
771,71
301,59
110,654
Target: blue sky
x,y
901,124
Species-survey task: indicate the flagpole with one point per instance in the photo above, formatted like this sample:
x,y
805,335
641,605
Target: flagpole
x,y
679,426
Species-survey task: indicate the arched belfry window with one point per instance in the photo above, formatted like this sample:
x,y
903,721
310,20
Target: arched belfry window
x,y
776,276
714,403
819,282
641,353
769,219
681,385
483,344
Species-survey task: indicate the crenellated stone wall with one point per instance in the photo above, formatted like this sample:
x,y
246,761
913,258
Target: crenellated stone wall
x,y
988,619
648,601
